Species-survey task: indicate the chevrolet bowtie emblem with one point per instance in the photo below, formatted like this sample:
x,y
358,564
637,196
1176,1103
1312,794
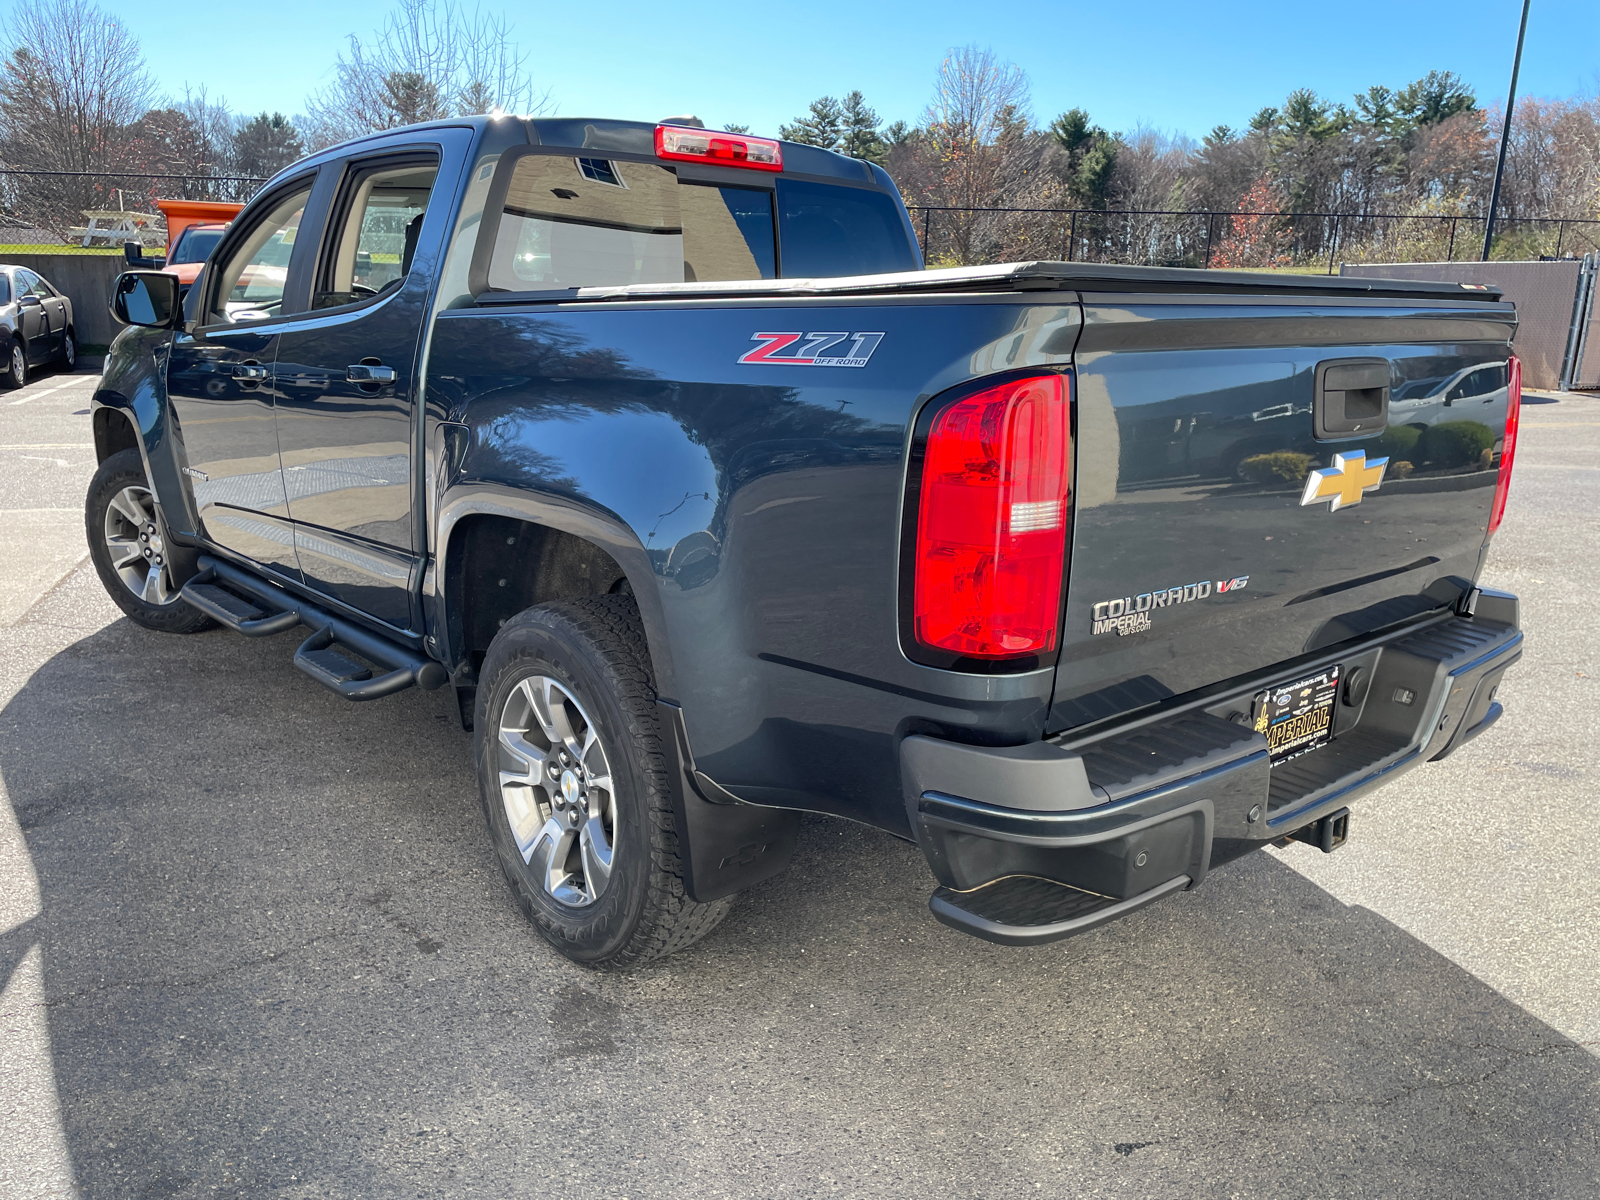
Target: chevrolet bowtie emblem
x,y
1350,478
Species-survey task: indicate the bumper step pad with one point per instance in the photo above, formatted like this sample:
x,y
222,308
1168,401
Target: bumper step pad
x,y
1022,910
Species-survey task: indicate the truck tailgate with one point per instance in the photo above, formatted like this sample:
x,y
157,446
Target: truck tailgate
x,y
1194,558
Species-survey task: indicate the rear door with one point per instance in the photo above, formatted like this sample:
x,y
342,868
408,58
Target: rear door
x,y
347,378
1198,554
219,382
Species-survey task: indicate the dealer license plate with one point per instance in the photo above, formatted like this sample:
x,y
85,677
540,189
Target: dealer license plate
x,y
1298,717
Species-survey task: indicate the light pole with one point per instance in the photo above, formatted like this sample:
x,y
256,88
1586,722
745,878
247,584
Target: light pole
x,y
1505,134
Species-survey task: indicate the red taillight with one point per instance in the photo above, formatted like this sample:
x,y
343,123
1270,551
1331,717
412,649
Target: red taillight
x,y
1508,449
992,521
724,149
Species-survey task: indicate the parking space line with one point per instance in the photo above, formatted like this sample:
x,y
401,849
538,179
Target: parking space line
x,y
59,387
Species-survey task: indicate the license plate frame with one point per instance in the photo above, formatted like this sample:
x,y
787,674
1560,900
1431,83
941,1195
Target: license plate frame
x,y
1297,717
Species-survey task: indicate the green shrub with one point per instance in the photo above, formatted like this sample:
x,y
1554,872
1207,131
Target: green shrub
x,y
1280,466
1397,442
1455,443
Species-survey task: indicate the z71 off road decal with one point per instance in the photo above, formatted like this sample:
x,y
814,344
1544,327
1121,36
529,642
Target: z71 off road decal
x,y
813,349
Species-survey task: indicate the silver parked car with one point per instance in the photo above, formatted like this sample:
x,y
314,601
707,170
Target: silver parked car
x,y
36,321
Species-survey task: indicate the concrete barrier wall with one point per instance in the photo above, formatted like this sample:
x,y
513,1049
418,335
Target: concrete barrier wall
x,y
1542,291
86,280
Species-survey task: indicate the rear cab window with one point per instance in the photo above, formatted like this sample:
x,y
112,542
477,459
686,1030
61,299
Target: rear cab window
x,y
828,230
571,221
584,222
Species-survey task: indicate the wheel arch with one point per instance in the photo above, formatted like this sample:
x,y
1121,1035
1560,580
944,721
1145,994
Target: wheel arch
x,y
115,428
544,548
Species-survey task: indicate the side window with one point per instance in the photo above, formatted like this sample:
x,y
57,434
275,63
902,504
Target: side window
x,y
249,286
26,283
379,219
42,288
5,288
585,222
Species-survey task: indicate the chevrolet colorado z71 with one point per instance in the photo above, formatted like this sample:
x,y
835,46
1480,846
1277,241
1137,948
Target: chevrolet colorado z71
x,y
658,446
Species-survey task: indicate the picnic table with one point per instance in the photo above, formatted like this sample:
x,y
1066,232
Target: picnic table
x,y
114,227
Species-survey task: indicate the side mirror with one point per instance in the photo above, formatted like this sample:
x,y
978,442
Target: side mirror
x,y
148,298
29,300
134,253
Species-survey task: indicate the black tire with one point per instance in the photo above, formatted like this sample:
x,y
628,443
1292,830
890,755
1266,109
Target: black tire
x,y
593,649
118,475
69,349
16,365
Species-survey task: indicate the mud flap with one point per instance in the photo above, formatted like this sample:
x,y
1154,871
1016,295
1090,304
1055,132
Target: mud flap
x,y
725,846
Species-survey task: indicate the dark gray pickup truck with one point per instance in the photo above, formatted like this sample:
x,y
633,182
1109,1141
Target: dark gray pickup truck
x,y
658,446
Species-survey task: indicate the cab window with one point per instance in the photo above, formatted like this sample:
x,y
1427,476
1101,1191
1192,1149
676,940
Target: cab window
x,y
583,222
194,245
249,285
379,220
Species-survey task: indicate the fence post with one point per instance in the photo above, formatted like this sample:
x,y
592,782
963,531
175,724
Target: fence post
x,y
1072,238
1334,247
1560,229
926,213
1211,220
1450,254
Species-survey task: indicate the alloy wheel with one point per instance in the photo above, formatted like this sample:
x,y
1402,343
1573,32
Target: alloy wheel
x,y
133,539
555,784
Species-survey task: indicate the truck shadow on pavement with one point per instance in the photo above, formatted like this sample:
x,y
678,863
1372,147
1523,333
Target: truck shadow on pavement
x,y
279,959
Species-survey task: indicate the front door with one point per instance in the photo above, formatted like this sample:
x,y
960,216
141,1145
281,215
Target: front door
x,y
219,380
55,312
346,382
32,317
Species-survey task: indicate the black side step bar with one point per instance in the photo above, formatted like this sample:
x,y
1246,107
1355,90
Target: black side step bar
x,y
250,605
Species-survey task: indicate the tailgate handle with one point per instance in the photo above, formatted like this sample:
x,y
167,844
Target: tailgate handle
x,y
1352,397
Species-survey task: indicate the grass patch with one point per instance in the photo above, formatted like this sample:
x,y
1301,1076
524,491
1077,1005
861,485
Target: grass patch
x,y
46,249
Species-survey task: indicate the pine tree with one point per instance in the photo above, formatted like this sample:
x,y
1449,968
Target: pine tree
x,y
861,138
822,126
1091,157
265,145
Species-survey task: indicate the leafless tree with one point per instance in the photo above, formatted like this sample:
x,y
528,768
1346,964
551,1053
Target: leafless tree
x,y
978,110
73,81
431,59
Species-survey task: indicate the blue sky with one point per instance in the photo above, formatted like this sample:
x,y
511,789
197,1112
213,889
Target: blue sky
x,y
1176,66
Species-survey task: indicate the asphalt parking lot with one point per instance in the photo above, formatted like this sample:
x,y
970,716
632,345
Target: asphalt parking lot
x,y
253,941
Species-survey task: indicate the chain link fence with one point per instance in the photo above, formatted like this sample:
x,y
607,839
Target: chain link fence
x,y
1261,240
40,209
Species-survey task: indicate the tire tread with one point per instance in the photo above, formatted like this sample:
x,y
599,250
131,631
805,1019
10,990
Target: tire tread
x,y
610,627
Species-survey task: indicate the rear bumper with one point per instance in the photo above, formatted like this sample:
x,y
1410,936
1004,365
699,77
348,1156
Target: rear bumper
x,y
1035,843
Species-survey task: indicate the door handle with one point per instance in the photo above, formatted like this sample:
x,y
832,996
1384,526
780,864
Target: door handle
x,y
369,373
251,371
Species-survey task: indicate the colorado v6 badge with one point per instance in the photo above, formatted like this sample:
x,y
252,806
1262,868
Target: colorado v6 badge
x,y
817,349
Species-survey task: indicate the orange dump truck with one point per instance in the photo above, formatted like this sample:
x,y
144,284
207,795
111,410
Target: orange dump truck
x,y
193,228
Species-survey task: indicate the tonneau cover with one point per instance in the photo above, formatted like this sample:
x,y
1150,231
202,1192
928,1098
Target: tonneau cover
x,y
1026,276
